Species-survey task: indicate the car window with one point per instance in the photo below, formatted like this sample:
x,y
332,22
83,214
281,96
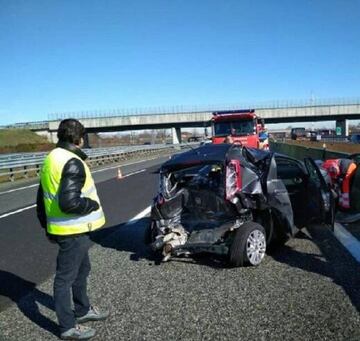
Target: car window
x,y
243,127
222,128
289,171
313,174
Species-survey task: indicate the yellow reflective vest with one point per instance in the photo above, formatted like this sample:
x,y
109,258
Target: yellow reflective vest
x,y
58,222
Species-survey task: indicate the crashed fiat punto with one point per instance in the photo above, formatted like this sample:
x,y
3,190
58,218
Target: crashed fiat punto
x,y
235,201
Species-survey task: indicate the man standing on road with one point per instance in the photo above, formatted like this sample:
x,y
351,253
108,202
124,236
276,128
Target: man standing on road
x,y
68,207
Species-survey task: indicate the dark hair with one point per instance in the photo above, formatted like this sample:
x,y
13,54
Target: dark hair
x,y
70,130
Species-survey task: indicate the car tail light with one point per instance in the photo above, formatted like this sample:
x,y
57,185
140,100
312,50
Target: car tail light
x,y
233,179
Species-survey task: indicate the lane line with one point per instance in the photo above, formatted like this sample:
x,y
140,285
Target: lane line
x,y
96,171
17,211
140,215
18,189
133,173
347,240
126,164
34,205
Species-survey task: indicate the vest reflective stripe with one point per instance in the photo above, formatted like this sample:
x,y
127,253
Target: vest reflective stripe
x,y
63,230
58,222
77,219
50,196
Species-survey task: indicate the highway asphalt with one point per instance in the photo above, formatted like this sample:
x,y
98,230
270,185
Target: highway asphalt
x,y
307,290
26,253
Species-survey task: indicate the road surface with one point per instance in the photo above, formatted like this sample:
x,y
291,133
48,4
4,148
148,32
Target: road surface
x,y
306,290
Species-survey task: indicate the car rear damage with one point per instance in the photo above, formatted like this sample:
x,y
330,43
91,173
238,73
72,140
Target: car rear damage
x,y
207,195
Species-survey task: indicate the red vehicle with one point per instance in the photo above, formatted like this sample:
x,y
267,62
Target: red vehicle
x,y
242,126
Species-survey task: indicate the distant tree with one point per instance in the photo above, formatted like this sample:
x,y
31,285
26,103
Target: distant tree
x,y
161,135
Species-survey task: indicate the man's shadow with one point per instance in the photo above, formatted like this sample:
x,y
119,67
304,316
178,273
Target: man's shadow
x,y
16,288
127,237
130,237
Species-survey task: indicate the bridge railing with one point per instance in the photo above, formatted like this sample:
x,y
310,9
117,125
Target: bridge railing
x,y
183,109
29,164
188,109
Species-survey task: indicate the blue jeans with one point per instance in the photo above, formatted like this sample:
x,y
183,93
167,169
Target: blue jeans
x,y
72,270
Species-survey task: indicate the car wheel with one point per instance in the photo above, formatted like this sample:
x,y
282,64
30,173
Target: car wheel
x,y
248,246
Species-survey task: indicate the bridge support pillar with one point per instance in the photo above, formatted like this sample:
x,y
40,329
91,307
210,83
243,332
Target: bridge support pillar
x,y
52,136
342,127
86,141
176,135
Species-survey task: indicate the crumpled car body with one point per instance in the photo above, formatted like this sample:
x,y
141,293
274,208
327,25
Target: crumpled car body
x,y
236,201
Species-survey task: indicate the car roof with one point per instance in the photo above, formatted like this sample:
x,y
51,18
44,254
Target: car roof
x,y
213,153
206,154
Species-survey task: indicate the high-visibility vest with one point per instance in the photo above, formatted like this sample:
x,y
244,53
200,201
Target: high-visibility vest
x,y
341,171
58,222
344,200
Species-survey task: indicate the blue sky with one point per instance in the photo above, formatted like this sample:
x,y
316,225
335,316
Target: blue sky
x,y
68,56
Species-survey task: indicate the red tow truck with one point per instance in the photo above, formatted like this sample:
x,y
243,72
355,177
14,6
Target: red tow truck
x,y
241,126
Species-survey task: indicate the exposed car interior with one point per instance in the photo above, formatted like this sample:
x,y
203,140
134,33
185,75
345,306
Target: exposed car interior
x,y
296,183
202,195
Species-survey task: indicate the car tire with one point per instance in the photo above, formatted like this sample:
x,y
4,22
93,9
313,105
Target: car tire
x,y
248,246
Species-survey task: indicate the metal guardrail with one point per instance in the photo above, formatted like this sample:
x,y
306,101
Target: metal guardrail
x,y
342,139
14,164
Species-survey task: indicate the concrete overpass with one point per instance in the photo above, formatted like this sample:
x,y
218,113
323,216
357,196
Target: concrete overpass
x,y
306,113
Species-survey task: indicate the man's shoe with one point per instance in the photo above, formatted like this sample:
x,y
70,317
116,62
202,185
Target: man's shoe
x,y
94,314
78,333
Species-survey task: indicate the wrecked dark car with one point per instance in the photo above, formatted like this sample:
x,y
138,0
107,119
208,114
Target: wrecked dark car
x,y
235,201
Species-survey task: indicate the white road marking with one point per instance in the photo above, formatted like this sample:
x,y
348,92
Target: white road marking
x,y
347,240
127,164
133,220
133,173
96,171
140,215
17,211
18,189
34,205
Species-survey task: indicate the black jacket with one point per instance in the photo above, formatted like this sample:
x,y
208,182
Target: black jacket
x,y
69,194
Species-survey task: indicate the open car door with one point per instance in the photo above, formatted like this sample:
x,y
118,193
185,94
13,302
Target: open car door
x,y
320,203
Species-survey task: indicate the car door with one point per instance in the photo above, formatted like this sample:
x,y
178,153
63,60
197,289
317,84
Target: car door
x,y
320,203
293,174
278,196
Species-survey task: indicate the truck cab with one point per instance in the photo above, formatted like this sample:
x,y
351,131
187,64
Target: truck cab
x,y
243,126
